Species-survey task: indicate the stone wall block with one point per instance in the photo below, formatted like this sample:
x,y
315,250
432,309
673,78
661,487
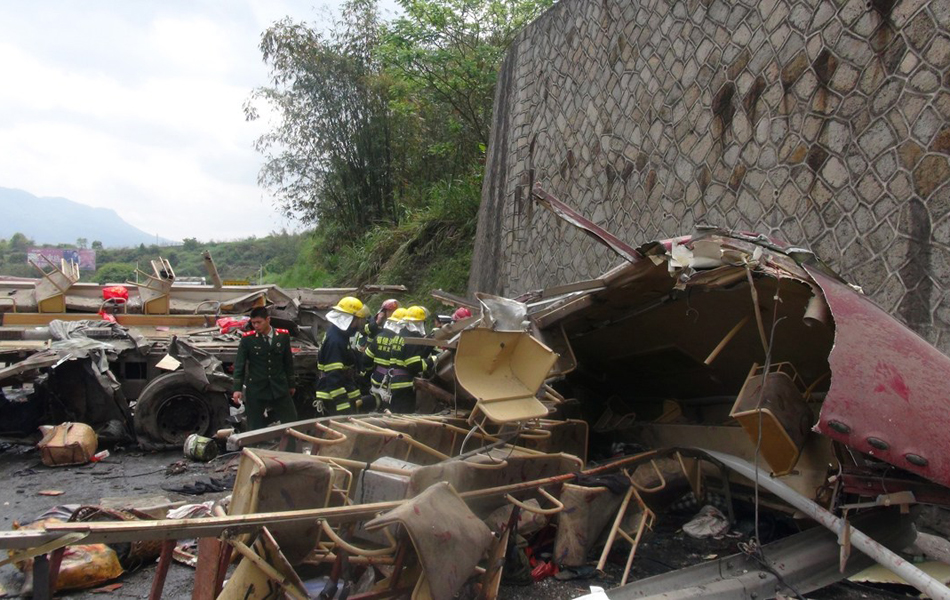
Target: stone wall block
x,y
932,172
920,31
925,80
886,166
818,122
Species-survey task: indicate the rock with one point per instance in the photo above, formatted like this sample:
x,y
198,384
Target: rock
x,y
941,143
930,174
835,173
877,138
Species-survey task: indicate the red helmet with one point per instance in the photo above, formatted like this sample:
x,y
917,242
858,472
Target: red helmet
x,y
390,305
461,313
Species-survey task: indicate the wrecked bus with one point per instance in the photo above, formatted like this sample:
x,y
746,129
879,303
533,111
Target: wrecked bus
x,y
152,365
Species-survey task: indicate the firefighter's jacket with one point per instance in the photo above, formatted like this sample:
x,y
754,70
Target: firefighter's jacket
x,y
336,363
384,351
413,361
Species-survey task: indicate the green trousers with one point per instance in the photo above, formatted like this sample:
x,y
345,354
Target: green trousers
x,y
280,409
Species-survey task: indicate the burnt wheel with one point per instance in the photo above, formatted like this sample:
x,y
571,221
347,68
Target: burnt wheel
x,y
170,409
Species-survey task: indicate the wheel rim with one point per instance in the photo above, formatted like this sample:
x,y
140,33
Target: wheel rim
x,y
181,415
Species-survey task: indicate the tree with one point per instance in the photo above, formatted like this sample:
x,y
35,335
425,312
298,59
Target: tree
x,y
82,243
330,157
450,51
114,272
96,245
381,135
190,244
21,243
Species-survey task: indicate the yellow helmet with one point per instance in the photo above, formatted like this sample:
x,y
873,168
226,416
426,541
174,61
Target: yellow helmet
x,y
349,305
363,312
416,313
399,314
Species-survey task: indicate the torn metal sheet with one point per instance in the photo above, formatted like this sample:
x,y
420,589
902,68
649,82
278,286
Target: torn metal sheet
x,y
33,363
60,330
87,370
888,395
805,561
453,300
203,368
686,325
502,314
570,215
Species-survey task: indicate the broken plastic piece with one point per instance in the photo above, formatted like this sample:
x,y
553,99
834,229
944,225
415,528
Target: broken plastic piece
x,y
504,371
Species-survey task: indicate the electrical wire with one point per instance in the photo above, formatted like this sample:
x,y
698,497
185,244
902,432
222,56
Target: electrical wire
x,y
754,551
765,375
754,548
466,438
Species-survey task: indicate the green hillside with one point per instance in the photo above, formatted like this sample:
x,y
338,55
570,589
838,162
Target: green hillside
x,y
407,255
265,258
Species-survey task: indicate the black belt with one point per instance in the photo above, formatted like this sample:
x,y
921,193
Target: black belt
x,y
392,371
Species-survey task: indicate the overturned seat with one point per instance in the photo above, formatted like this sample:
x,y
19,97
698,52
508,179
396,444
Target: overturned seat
x,y
496,468
503,370
448,538
271,481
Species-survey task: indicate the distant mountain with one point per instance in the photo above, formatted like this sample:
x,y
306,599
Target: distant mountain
x,y
62,221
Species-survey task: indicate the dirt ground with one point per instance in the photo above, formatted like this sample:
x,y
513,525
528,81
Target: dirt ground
x,y
132,473
121,474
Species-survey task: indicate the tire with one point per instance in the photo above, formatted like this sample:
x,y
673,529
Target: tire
x,y
170,409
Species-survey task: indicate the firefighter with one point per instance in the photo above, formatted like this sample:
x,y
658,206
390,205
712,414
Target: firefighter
x,y
385,346
376,323
337,390
364,339
413,361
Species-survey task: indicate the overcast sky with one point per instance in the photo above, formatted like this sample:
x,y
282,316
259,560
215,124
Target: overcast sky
x,y
137,106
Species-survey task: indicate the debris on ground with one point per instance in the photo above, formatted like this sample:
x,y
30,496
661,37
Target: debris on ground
x,y
200,448
708,522
206,485
719,415
67,444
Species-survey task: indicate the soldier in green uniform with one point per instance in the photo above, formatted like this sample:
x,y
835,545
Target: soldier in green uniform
x,y
264,372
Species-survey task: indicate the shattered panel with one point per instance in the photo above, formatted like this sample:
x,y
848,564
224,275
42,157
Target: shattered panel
x,y
888,395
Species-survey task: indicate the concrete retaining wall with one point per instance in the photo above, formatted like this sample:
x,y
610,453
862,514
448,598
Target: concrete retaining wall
x,y
822,123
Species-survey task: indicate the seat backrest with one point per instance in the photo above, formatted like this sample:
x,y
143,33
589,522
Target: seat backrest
x,y
501,468
271,481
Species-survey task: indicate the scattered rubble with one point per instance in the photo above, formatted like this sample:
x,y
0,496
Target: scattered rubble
x,y
147,363
721,384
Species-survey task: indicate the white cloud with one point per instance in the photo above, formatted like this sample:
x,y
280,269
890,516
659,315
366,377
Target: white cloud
x,y
138,107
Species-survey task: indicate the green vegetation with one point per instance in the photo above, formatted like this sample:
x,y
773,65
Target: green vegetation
x,y
382,136
271,259
379,148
